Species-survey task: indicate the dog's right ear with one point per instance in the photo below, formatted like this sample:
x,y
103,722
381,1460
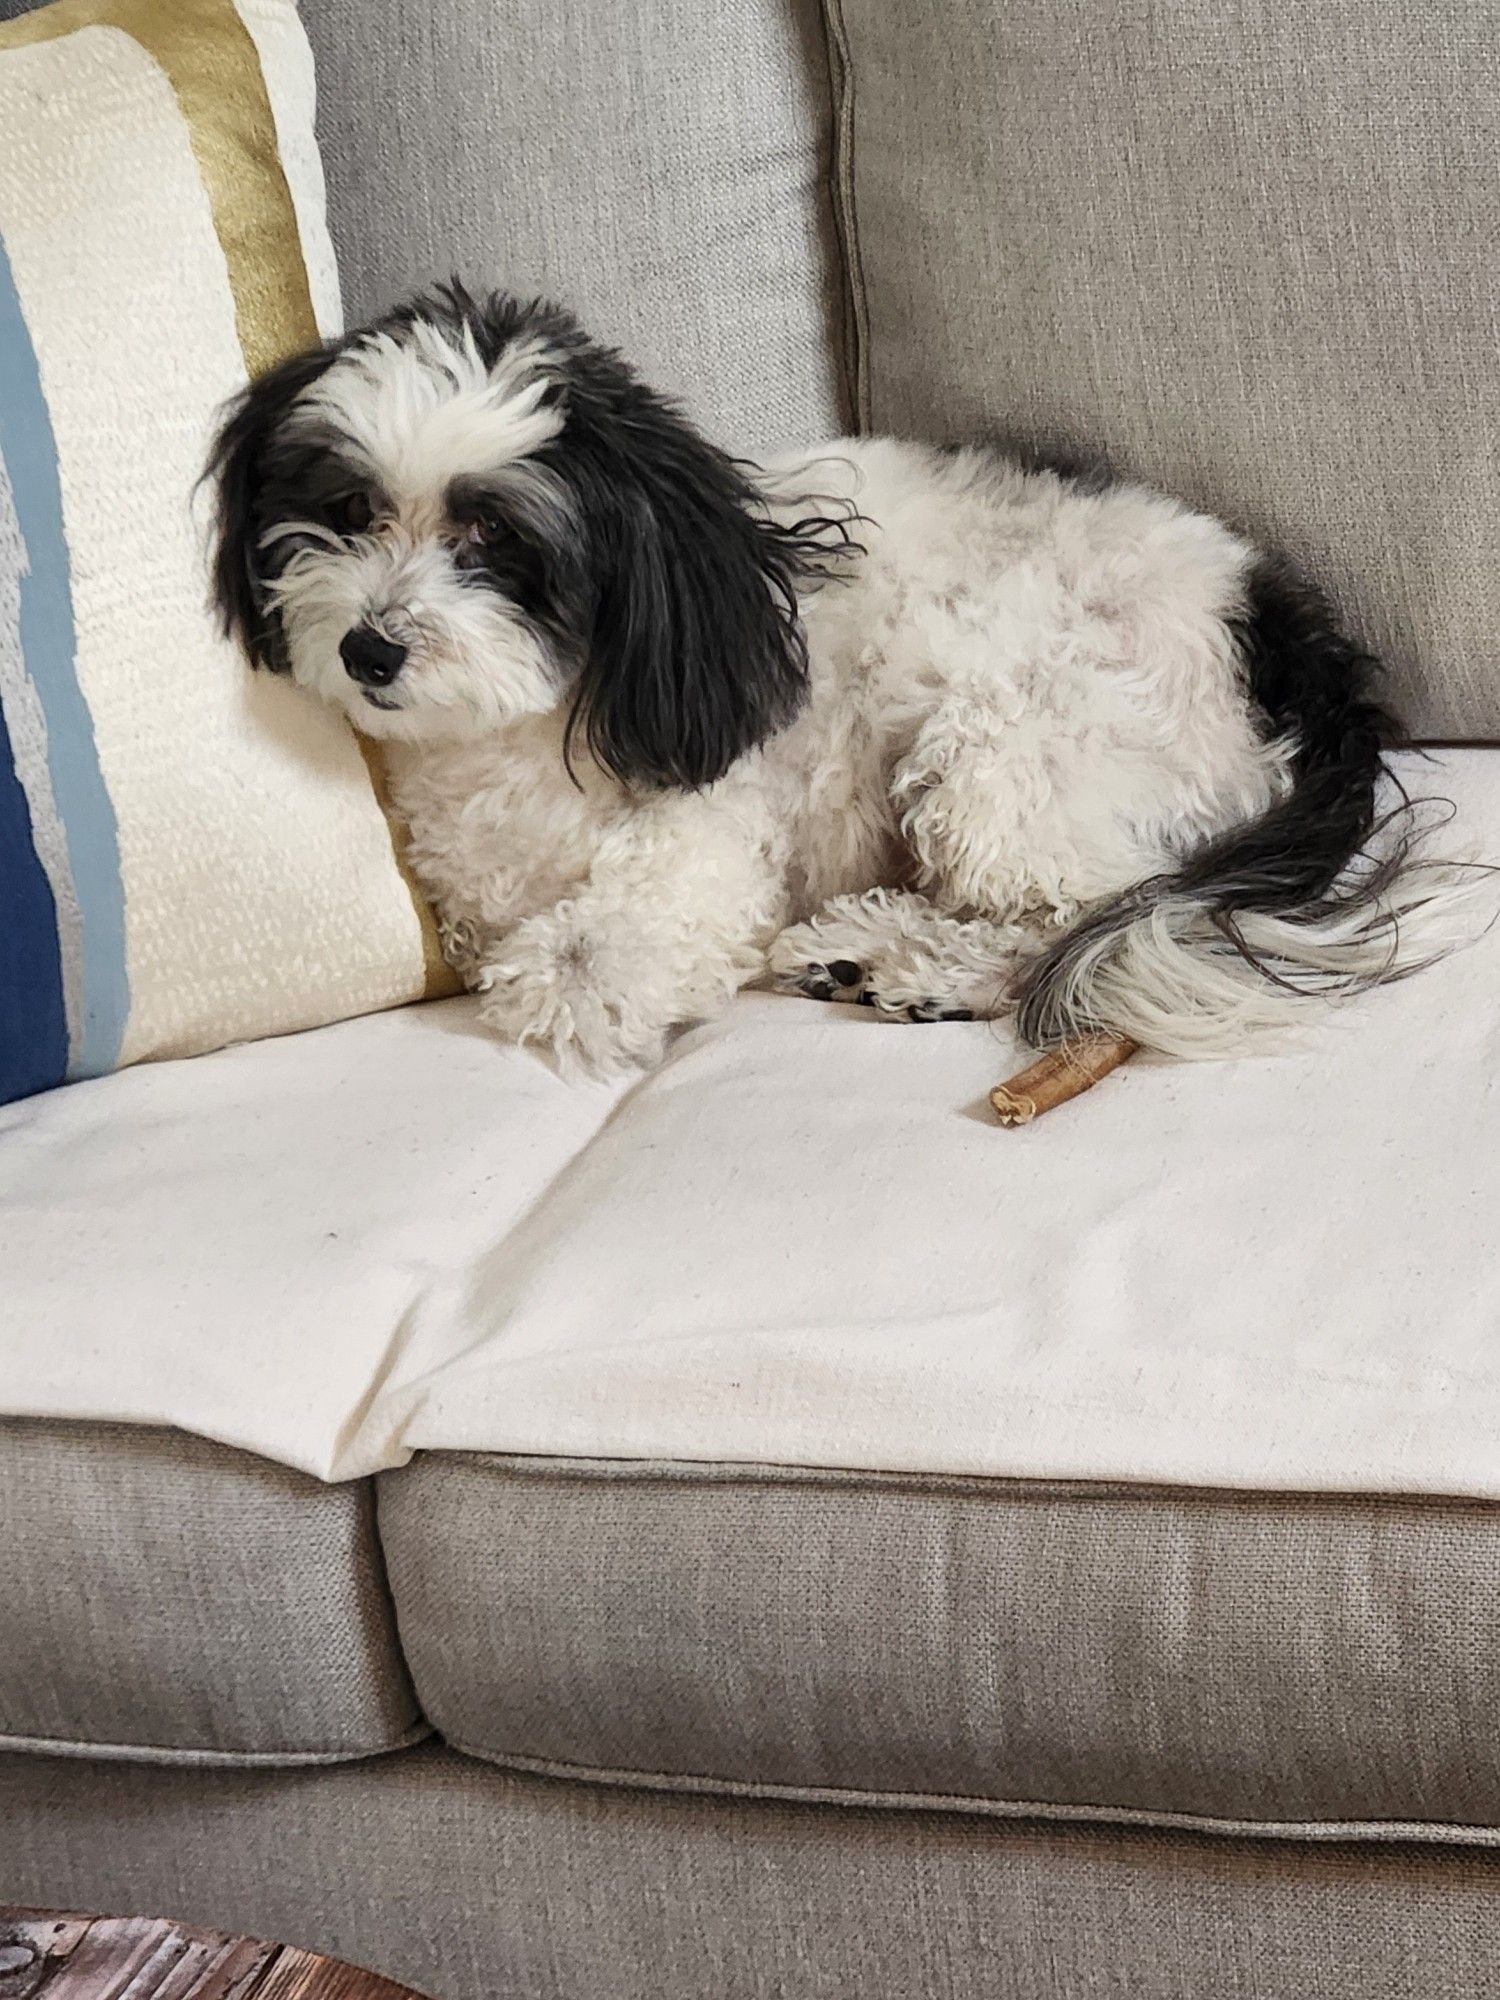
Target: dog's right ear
x,y
239,470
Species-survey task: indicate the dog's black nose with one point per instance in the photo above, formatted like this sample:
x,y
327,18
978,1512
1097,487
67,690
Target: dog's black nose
x,y
369,658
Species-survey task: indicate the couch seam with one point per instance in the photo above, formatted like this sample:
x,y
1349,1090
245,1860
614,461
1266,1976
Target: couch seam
x,y
856,341
542,1467
1311,1832
419,1721
194,1758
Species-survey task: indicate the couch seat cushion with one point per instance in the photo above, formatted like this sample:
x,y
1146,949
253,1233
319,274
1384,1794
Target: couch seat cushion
x,y
1308,1665
168,1599
802,1241
803,1244
256,1244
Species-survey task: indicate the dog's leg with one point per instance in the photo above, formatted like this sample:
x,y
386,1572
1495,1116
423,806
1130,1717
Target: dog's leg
x,y
1026,825
895,950
672,920
1005,839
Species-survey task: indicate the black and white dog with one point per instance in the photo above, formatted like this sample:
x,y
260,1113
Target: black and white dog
x,y
924,729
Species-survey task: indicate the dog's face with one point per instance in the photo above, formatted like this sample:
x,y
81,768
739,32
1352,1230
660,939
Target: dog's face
x,y
468,513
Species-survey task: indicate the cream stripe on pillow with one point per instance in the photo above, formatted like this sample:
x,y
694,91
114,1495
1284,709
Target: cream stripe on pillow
x,y
286,65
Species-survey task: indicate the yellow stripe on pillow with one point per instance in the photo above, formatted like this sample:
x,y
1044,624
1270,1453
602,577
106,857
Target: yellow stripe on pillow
x,y
211,62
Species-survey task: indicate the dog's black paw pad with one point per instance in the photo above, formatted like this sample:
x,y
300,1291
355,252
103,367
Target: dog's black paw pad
x,y
934,1010
835,981
867,999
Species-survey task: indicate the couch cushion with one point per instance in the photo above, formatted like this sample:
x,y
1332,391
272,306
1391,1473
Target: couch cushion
x,y
1245,251
476,1884
805,1241
168,1599
802,1241
661,168
1285,1662
272,1245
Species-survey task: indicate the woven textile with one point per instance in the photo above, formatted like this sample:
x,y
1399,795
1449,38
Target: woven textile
x,y
1244,252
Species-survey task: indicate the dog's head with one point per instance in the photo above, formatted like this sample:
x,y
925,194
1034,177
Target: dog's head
x,y
468,513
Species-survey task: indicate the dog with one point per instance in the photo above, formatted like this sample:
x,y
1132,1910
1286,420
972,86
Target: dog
x,y
932,730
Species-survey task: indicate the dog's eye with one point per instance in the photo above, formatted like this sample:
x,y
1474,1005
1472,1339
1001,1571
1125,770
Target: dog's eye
x,y
484,531
352,514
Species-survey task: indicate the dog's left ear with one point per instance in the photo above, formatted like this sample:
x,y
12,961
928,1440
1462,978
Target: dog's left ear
x,y
239,470
696,653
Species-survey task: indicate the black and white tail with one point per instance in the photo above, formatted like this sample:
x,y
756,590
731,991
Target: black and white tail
x,y
1322,895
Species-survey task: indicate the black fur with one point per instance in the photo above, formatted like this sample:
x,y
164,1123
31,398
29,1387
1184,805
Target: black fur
x,y
1313,685
262,477
689,649
666,594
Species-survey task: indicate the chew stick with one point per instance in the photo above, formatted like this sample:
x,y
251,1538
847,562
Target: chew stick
x,y
1052,1080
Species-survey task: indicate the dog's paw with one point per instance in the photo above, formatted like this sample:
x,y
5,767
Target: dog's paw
x,y
797,967
844,980
465,945
854,951
573,993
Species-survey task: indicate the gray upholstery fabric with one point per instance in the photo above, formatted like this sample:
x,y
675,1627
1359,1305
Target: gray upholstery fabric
x,y
1247,1658
165,1597
475,1885
660,166
1246,250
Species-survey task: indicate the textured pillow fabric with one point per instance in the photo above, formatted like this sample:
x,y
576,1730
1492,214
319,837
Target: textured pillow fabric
x,y
660,165
1245,251
189,854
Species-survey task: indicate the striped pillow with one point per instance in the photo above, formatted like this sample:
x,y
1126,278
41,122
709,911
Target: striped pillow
x,y
189,854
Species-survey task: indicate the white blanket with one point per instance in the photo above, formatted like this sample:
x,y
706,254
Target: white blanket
x,y
803,1241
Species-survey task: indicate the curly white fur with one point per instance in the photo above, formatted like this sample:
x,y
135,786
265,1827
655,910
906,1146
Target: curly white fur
x,y
1022,700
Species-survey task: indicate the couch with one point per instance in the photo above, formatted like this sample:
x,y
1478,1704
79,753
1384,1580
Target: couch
x,y
876,1555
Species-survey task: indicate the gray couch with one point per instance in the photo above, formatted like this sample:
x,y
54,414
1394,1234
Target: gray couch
x,y
564,1728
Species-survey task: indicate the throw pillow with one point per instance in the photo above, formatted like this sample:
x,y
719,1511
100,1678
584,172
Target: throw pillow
x,y
190,854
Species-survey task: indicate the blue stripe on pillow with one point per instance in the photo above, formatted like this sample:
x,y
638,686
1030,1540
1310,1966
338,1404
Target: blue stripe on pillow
x,y
28,752
47,647
33,1020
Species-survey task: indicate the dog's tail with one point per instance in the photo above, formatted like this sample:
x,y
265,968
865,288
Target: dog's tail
x,y
1324,894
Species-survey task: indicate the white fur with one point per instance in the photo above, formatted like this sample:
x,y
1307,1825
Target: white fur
x,y
419,413
1024,699
1176,985
480,666
424,409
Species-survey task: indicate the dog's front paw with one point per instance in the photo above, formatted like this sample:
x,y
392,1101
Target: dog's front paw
x,y
570,990
801,963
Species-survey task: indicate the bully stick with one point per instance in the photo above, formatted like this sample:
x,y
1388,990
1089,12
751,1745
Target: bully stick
x,y
1053,1079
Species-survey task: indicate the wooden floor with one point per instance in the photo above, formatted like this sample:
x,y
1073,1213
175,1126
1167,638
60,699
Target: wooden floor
x,y
55,1957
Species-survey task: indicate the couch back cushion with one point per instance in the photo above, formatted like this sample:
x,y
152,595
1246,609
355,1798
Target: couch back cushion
x,y
1243,251
659,165
189,854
